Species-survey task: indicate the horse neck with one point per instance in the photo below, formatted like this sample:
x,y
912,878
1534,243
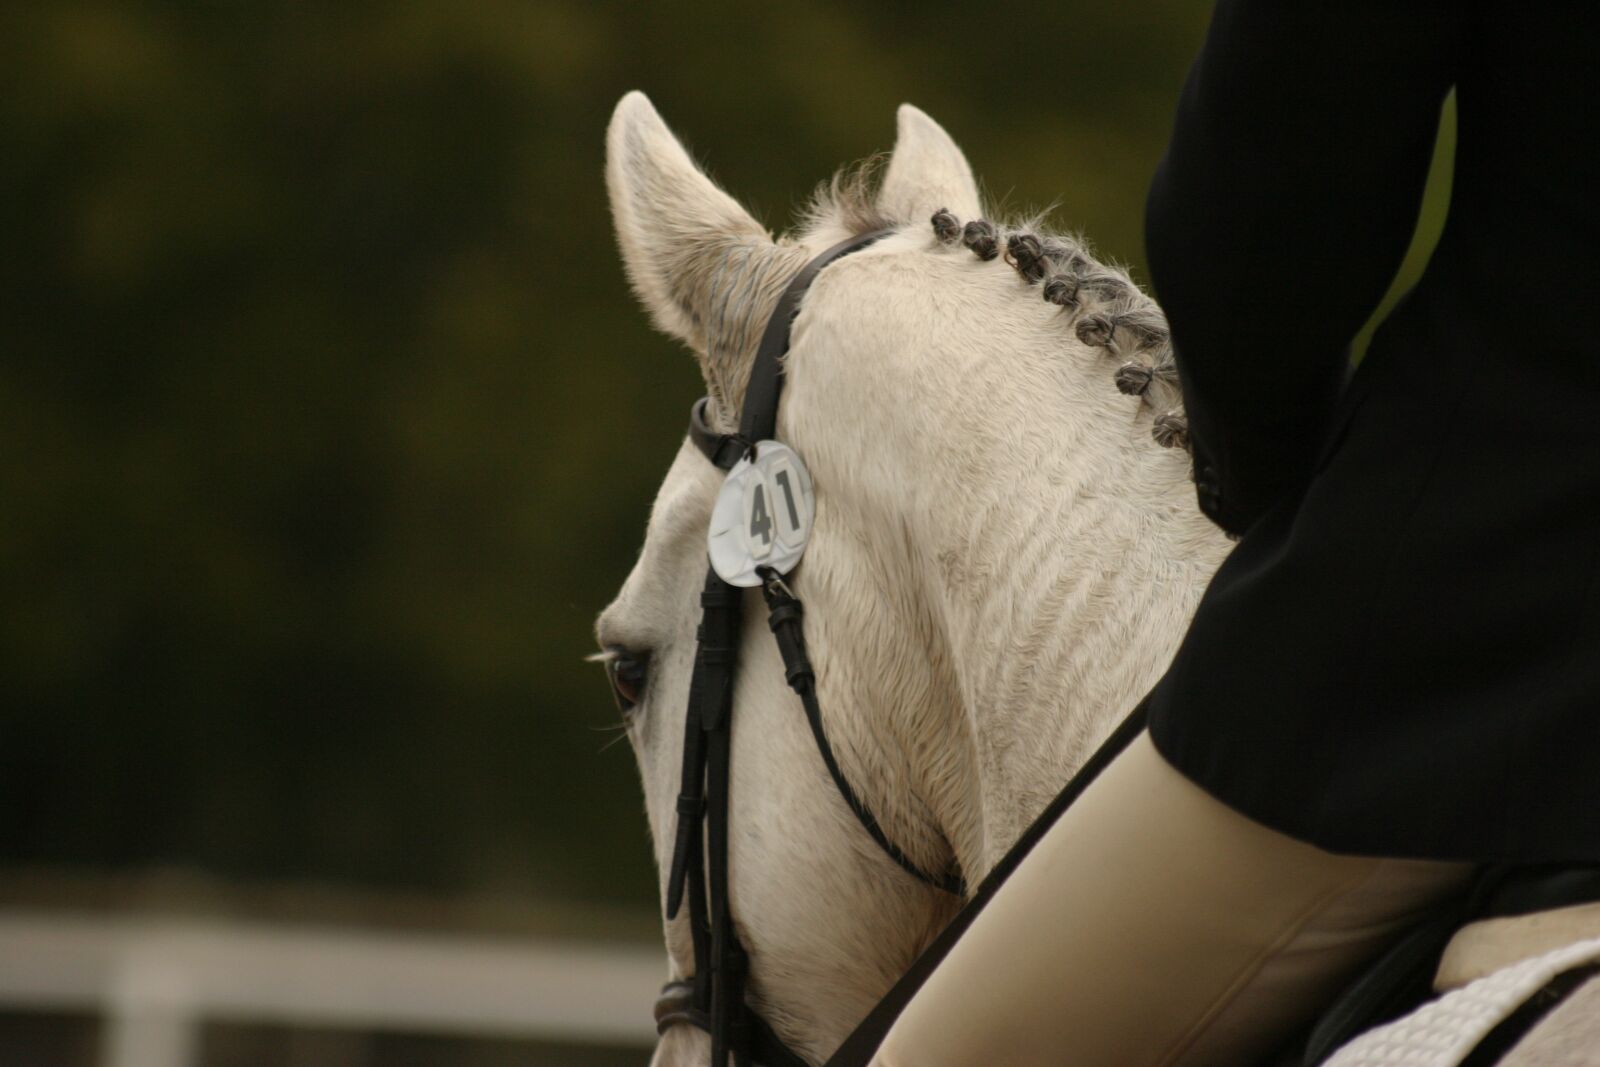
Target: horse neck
x,y
1033,556
1064,586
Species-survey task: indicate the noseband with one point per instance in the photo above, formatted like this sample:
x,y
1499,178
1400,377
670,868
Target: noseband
x,y
713,999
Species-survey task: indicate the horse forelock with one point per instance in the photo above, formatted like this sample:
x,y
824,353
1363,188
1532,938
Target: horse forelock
x,y
848,203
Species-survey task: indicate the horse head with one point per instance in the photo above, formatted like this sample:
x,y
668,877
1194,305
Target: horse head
x,y
1002,558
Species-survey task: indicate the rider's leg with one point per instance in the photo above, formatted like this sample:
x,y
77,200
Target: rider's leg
x,y
1154,925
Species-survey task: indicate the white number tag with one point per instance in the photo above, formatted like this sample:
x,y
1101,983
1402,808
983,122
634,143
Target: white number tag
x,y
762,517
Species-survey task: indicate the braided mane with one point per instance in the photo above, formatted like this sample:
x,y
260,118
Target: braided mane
x,y
1101,304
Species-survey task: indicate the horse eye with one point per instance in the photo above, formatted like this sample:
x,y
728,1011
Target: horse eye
x,y
628,671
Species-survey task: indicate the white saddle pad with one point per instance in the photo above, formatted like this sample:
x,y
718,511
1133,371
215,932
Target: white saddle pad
x,y
1442,1032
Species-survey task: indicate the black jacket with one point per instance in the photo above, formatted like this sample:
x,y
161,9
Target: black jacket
x,y
1402,655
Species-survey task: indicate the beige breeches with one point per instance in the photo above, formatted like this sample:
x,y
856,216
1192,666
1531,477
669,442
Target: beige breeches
x,y
1154,925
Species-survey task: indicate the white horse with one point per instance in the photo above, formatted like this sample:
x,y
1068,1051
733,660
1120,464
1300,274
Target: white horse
x,y
1003,561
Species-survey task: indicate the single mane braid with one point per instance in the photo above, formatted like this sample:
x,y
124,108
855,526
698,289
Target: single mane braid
x,y
1101,304
1062,290
981,238
1157,382
1171,430
1026,253
1135,378
1096,330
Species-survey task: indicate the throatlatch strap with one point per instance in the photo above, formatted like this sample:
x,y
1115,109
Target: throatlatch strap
x,y
784,619
859,1047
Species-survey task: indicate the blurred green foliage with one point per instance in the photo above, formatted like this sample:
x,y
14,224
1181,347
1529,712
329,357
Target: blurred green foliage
x,y
327,422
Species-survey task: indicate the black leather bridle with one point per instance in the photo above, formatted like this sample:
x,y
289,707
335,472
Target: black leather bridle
x,y
714,998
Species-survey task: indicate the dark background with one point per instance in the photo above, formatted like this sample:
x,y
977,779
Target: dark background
x,y
328,423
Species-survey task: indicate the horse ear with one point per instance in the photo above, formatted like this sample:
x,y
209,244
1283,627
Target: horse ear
x,y
927,172
676,229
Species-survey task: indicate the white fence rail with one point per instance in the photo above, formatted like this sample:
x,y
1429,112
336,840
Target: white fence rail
x,y
156,981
